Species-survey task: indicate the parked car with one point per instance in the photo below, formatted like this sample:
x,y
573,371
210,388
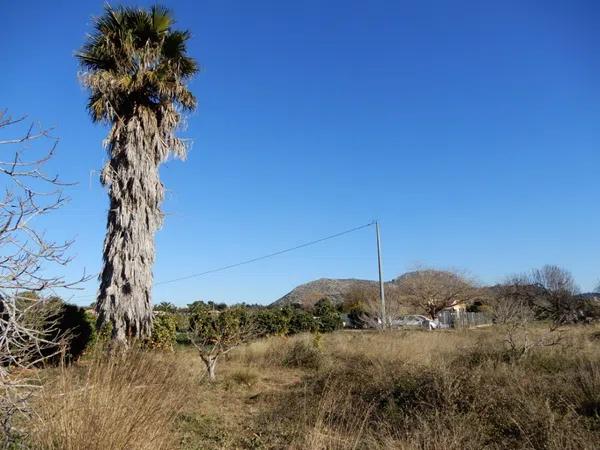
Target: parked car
x,y
415,321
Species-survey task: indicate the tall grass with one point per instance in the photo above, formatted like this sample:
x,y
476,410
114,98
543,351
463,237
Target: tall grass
x,y
120,403
347,390
445,390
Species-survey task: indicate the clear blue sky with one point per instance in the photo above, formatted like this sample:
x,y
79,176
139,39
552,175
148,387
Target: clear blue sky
x,y
470,129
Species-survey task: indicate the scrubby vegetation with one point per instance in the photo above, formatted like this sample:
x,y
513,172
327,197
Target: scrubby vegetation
x,y
289,378
348,389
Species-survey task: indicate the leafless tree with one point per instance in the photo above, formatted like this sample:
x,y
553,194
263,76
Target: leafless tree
x,y
27,331
510,302
432,291
554,279
555,294
512,310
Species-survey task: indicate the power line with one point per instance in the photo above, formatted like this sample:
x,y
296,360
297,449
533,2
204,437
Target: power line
x,y
248,261
270,255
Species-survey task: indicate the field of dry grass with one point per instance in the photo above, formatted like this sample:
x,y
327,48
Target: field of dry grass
x,y
364,390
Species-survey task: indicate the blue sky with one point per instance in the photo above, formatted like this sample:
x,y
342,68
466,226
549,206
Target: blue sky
x,y
470,129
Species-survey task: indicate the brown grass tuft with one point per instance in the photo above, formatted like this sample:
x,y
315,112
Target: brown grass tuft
x,y
130,402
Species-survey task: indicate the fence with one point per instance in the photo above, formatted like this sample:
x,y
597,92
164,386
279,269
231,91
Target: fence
x,y
455,319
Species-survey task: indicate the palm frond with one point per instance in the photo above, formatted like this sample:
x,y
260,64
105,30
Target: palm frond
x,y
161,18
139,59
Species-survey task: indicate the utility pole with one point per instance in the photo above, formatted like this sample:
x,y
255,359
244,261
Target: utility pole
x,y
381,286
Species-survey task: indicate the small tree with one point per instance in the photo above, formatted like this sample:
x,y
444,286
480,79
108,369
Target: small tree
x,y
215,333
164,332
432,291
550,292
327,316
555,294
512,310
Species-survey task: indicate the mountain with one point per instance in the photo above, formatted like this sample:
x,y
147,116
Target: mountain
x,y
337,289
334,289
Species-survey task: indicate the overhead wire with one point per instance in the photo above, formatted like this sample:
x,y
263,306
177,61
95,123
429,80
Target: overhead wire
x,y
270,255
259,258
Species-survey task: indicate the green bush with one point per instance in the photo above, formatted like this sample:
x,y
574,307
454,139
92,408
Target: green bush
x,y
272,322
94,335
71,321
328,317
164,332
183,322
301,321
98,336
59,322
284,321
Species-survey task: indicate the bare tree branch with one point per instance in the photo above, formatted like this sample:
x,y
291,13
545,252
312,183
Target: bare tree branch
x,y
28,333
432,291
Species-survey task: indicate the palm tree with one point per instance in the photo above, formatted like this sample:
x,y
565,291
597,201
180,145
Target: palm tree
x,y
135,68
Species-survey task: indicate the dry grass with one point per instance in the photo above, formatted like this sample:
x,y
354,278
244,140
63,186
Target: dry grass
x,y
406,390
129,403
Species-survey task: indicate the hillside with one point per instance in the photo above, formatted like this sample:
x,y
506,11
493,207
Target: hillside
x,y
334,289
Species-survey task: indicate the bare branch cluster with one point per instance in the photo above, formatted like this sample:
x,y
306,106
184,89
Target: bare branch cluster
x,y
556,298
29,336
514,309
550,293
29,193
27,329
432,291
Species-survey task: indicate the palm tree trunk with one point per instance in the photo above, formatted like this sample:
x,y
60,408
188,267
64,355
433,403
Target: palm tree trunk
x,y
135,193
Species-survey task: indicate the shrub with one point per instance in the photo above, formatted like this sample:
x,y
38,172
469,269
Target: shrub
x,y
356,315
245,376
70,325
301,321
304,354
328,317
95,335
183,322
271,322
164,332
